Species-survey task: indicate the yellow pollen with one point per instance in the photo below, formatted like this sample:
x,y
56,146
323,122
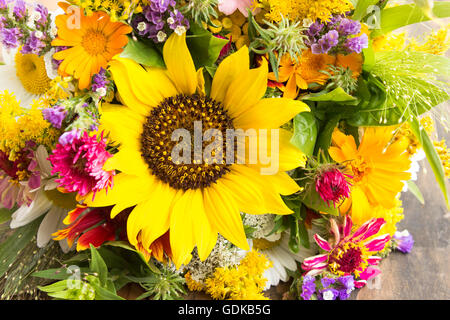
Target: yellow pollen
x,y
30,70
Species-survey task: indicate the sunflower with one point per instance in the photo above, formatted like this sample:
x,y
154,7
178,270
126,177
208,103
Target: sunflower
x,y
195,201
91,45
378,166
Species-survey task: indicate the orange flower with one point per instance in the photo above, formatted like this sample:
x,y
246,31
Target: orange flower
x,y
353,61
92,44
305,71
159,249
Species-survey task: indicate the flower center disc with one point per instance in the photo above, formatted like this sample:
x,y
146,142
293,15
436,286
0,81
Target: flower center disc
x,y
348,258
94,42
30,70
157,142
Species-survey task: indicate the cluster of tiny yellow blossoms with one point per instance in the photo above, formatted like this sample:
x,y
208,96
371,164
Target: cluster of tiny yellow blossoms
x,y
437,42
118,10
18,125
58,91
242,282
298,10
444,154
404,131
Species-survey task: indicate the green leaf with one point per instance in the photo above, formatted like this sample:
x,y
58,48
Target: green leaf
x,y
414,189
105,294
400,16
98,265
10,248
56,273
143,52
305,132
324,138
5,215
361,8
432,156
336,95
55,287
203,46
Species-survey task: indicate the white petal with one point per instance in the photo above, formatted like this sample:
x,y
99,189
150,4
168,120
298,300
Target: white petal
x,y
26,214
45,166
49,225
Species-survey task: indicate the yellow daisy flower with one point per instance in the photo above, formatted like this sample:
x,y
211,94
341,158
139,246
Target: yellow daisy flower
x,y
195,201
378,165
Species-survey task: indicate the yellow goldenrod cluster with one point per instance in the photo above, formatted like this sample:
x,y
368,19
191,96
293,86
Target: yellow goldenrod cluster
x,y
242,282
404,131
18,125
444,155
192,284
118,10
437,42
298,10
58,90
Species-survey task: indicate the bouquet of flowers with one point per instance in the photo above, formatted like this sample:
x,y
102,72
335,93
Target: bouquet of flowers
x,y
219,146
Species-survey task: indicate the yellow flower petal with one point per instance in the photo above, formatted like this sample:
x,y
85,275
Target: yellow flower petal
x,y
179,63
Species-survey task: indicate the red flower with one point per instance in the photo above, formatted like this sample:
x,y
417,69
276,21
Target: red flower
x,y
333,186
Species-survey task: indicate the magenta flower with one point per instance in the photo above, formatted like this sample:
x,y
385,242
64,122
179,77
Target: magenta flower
x,y
333,186
351,254
80,164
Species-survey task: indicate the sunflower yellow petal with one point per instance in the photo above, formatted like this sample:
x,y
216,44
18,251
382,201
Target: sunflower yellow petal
x,y
270,113
246,90
229,70
127,160
179,63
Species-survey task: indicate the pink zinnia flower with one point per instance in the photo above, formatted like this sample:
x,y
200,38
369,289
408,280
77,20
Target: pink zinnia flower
x,y
333,186
80,164
351,254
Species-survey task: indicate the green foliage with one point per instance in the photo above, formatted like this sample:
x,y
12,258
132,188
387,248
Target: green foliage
x,y
399,16
5,215
305,132
143,52
414,189
167,285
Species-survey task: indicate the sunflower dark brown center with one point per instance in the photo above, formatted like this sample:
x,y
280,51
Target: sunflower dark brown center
x,y
187,113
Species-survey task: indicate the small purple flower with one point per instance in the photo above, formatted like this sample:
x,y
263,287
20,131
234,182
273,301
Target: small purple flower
x,y
176,20
10,37
326,282
347,281
43,12
403,241
349,27
328,41
4,4
33,44
20,9
69,136
308,287
357,44
99,81
55,115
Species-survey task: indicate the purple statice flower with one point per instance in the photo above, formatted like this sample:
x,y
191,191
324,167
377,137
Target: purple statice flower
x,y
43,13
347,286
308,287
2,22
177,21
403,241
335,19
34,44
141,25
161,6
68,136
10,37
3,4
55,116
357,44
328,41
20,10
100,81
328,294
349,27
326,282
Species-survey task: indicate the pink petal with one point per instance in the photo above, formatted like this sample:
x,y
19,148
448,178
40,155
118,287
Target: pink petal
x,y
348,224
369,273
312,262
322,243
378,243
228,6
335,230
374,260
360,283
368,229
